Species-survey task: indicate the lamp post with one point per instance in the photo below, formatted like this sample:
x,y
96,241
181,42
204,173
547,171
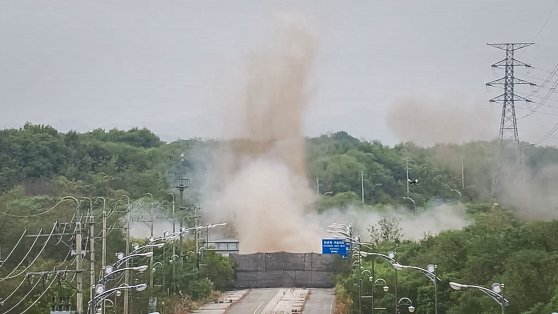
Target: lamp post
x,y
429,272
406,302
183,184
127,273
110,272
374,283
124,258
163,267
496,292
346,232
390,257
456,191
412,201
210,226
173,244
101,294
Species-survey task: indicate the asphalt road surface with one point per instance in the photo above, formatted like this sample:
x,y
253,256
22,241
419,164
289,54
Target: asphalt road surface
x,y
282,300
320,301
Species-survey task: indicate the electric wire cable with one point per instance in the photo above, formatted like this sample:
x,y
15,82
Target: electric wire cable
x,y
546,20
29,251
23,298
15,290
34,260
548,134
42,294
38,214
545,98
13,249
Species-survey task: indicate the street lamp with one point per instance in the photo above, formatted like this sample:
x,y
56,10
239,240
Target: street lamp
x,y
496,293
110,272
374,283
430,273
412,201
380,280
211,226
390,257
122,258
406,302
101,294
456,191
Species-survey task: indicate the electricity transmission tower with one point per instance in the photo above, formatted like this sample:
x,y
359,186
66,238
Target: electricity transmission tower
x,y
508,122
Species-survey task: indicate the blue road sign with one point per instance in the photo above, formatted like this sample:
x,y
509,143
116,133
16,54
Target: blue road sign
x,y
335,246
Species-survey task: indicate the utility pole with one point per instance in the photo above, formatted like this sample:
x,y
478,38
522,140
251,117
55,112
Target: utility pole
x,y
127,272
362,185
407,170
173,246
151,249
91,221
79,278
91,236
104,251
508,122
152,299
462,177
183,184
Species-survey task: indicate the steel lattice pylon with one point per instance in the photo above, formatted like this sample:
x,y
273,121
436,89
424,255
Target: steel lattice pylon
x,y
508,122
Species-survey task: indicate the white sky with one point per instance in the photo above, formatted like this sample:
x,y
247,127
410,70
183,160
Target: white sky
x,y
172,65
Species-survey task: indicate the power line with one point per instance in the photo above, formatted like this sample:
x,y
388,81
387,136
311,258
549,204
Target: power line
x,y
36,256
546,20
13,248
550,91
548,134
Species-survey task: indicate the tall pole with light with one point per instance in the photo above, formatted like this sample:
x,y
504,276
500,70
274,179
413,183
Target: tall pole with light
x,y
362,185
430,273
173,244
390,257
405,302
496,292
407,171
183,184
127,272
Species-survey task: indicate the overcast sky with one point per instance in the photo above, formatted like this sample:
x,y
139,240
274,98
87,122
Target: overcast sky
x,y
387,70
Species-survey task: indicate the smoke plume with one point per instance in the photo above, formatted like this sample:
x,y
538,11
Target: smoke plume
x,y
258,181
429,221
530,191
427,122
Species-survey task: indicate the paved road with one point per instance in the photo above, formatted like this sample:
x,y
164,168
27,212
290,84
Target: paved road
x,y
282,300
254,302
320,301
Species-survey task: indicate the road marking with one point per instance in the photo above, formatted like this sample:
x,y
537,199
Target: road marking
x,y
330,308
258,307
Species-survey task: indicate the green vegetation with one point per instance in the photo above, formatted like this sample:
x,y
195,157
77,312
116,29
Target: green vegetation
x,y
496,248
39,166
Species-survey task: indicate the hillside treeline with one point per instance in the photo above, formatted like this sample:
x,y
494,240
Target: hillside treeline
x,y
39,165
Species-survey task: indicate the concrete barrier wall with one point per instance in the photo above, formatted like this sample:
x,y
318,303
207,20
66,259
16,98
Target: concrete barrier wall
x,y
283,269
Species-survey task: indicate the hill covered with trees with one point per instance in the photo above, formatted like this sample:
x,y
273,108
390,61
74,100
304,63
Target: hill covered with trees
x,y
513,242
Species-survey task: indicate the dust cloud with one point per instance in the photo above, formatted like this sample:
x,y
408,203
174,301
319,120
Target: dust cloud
x,y
258,180
427,122
415,226
530,192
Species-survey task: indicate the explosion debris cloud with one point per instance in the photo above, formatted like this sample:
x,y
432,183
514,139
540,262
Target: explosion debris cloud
x,y
259,179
